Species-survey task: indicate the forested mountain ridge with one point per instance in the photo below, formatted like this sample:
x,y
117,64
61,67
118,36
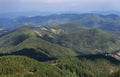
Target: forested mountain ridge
x,y
59,41
25,41
86,41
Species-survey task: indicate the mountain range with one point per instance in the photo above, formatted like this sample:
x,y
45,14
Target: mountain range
x,y
106,22
65,45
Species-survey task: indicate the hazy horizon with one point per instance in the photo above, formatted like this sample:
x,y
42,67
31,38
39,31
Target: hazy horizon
x,y
15,8
58,5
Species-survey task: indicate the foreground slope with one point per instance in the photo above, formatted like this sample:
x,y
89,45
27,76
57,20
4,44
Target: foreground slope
x,y
17,66
20,66
89,66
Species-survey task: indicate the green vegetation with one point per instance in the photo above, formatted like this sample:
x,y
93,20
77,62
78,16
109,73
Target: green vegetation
x,y
82,67
90,41
33,52
25,39
20,66
70,28
105,22
17,66
116,74
66,43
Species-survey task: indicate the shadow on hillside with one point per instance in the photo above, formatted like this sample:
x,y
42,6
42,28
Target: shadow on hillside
x,y
100,56
32,53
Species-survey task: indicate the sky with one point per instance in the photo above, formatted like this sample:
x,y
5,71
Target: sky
x,y
58,5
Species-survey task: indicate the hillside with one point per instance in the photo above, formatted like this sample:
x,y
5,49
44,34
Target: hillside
x,y
69,28
82,67
86,41
59,41
65,67
25,41
18,66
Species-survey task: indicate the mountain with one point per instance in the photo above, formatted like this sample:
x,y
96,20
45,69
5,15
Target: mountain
x,y
27,41
109,22
107,12
58,41
13,23
65,50
87,41
28,14
106,22
69,27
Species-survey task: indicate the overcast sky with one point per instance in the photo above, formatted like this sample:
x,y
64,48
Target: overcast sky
x,y
58,5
